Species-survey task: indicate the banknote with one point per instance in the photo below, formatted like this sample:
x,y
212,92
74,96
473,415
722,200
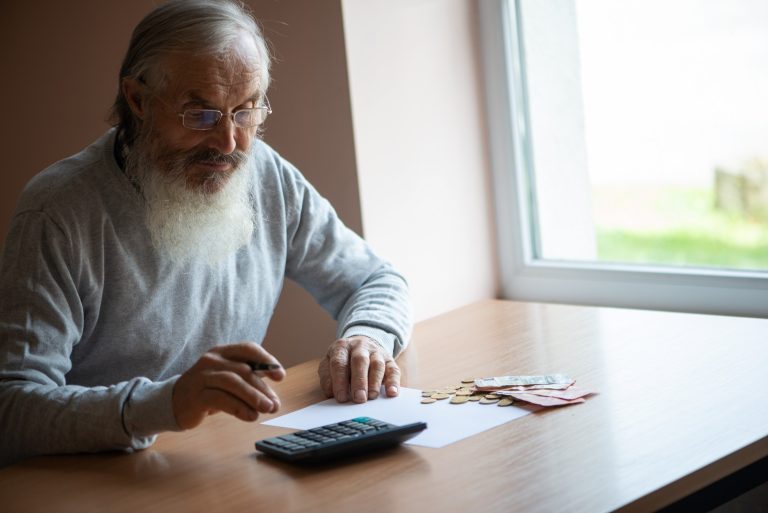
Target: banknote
x,y
544,401
511,381
543,390
553,386
568,394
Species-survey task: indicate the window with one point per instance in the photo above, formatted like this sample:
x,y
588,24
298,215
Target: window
x,y
629,147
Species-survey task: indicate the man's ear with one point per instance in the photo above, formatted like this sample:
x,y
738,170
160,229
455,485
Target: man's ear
x,y
135,94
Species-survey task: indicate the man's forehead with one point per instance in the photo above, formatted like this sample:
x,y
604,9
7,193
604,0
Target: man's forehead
x,y
235,71
199,76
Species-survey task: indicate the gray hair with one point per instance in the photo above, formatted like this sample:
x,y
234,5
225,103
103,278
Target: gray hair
x,y
198,27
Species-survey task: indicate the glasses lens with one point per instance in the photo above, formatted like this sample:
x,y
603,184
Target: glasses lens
x,y
247,118
201,119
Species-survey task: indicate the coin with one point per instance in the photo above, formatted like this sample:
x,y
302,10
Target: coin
x,y
468,380
463,392
440,396
474,397
486,400
428,400
459,399
506,401
492,396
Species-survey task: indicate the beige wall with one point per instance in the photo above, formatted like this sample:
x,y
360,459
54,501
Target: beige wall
x,y
417,103
422,171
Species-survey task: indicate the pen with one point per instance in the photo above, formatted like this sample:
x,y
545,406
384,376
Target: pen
x,y
257,366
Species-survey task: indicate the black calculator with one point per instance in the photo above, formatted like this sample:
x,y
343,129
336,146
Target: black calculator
x,y
354,436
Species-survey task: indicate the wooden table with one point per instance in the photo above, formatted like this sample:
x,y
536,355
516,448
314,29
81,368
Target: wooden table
x,y
681,404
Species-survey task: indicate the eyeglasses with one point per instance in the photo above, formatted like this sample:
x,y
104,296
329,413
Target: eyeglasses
x,y
206,119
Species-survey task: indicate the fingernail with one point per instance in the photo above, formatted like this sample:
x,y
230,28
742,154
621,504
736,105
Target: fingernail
x,y
360,396
392,390
373,394
341,396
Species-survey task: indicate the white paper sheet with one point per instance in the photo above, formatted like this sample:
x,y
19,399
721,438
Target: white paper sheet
x,y
446,423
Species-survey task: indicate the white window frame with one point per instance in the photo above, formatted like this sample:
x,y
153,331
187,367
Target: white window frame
x,y
526,277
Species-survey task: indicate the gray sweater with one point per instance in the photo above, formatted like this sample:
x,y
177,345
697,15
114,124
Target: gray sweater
x,y
96,325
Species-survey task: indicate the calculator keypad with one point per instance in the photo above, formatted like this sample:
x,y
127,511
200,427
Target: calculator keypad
x,y
327,435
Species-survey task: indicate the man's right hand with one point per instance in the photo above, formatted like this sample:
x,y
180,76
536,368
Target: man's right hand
x,y
222,380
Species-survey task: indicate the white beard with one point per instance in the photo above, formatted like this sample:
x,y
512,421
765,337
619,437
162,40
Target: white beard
x,y
189,224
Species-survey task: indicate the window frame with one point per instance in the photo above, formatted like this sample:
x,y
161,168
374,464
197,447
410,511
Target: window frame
x,y
524,276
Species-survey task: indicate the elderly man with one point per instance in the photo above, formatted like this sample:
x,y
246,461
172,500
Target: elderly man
x,y
139,276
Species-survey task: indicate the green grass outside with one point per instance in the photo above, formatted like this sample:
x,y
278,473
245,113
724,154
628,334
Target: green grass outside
x,y
676,226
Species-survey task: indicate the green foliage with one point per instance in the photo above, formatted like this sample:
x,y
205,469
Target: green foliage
x,y
676,226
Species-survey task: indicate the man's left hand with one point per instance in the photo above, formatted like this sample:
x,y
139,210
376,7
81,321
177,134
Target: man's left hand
x,y
355,368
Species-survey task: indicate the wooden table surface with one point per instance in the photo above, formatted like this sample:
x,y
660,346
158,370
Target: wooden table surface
x,y
680,405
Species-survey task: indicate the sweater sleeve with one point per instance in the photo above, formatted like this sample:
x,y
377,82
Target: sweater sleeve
x,y
359,289
41,320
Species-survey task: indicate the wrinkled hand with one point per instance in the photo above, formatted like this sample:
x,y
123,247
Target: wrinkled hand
x,y
222,380
358,366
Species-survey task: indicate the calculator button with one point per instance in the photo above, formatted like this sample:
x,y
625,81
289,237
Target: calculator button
x,y
293,439
344,430
313,437
322,431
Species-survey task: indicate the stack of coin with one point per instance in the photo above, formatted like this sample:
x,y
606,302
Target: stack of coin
x,y
544,390
462,393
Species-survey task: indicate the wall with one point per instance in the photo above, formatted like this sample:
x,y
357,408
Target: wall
x,y
59,79
417,104
422,172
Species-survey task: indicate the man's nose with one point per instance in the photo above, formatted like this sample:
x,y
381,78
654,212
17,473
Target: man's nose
x,y
222,136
